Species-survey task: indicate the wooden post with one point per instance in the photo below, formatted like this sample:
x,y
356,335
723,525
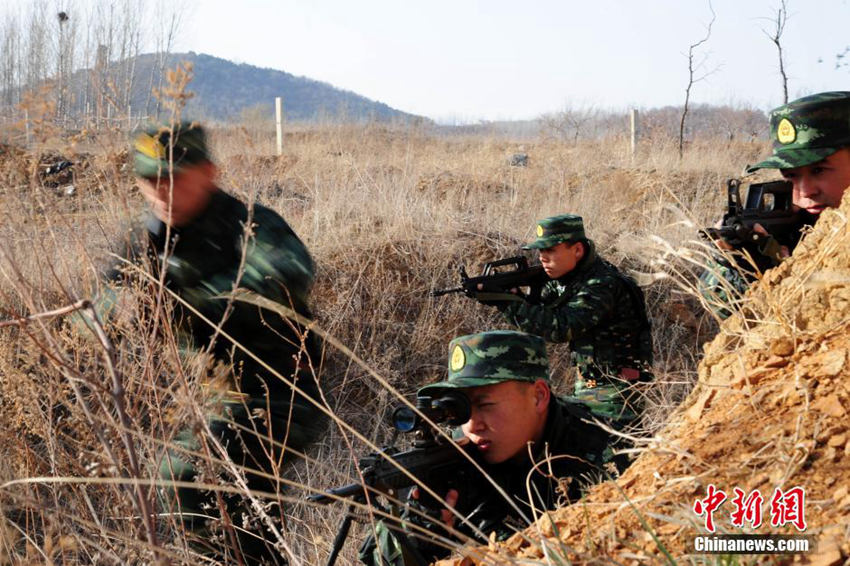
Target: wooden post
x,y
635,131
278,112
27,125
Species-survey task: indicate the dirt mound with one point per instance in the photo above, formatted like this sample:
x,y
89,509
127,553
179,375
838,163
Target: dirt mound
x,y
447,183
769,412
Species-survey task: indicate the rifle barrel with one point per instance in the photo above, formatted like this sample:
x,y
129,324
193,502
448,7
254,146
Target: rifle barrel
x,y
332,495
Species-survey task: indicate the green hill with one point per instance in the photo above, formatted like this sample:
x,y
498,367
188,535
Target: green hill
x,y
223,90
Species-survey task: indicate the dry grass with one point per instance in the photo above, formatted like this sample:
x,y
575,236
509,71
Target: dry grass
x,y
388,214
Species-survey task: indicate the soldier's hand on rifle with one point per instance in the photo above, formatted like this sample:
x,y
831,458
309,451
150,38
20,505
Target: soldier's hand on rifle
x,y
770,247
784,252
446,516
720,242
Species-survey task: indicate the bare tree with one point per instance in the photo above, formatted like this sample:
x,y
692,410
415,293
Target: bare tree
x,y
572,122
37,56
167,26
693,68
49,44
10,62
779,20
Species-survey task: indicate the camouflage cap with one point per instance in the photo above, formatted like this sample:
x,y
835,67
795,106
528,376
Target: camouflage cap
x,y
493,357
807,130
557,229
152,156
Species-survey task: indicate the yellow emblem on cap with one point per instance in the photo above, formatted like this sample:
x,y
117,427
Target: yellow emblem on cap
x,y
785,131
539,231
458,359
149,146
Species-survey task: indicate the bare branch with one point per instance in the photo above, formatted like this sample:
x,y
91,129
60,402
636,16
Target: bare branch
x,y
82,304
691,80
839,58
779,20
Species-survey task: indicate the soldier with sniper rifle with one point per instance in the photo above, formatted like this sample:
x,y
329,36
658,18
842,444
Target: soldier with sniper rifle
x,y
520,449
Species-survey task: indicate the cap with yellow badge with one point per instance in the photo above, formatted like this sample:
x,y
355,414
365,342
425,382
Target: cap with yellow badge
x,y
160,149
807,130
492,357
557,229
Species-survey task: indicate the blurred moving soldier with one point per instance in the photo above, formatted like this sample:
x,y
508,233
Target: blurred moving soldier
x,y
515,423
811,149
598,310
209,243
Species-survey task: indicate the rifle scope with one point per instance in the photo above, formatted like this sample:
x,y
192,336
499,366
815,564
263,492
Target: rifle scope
x,y
451,407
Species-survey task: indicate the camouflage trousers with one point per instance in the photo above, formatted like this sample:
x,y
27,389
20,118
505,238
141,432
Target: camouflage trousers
x,y
615,401
223,525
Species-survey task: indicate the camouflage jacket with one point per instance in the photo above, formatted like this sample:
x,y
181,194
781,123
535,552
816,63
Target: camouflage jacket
x,y
209,258
556,482
598,310
727,276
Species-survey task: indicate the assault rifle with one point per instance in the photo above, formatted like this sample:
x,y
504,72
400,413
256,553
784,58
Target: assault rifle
x,y
433,460
769,205
494,280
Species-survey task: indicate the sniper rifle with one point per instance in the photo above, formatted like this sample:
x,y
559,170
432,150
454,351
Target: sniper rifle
x,y
433,461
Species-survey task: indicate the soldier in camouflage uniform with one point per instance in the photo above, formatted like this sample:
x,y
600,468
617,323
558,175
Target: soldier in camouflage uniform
x,y
515,423
210,243
811,148
599,311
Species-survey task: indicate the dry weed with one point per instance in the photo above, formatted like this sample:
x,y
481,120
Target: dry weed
x,y
389,213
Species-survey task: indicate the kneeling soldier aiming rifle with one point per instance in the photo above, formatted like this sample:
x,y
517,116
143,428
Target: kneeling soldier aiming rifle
x,y
577,297
515,429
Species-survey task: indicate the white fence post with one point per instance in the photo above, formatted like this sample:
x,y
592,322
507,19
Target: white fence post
x,y
635,131
278,111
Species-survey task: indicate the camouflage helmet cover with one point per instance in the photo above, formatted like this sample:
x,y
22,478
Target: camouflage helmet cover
x,y
493,357
556,229
154,151
807,130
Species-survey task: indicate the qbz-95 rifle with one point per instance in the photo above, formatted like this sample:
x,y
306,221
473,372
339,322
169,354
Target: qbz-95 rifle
x,y
769,205
495,280
433,460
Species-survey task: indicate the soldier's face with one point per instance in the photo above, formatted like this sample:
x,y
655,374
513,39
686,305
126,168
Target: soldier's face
x,y
561,258
179,204
506,417
822,184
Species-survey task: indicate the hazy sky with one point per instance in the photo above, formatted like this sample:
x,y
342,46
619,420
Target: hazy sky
x,y
499,59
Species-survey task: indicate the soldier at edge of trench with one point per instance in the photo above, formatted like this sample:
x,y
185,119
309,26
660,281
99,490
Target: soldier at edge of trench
x,y
811,149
